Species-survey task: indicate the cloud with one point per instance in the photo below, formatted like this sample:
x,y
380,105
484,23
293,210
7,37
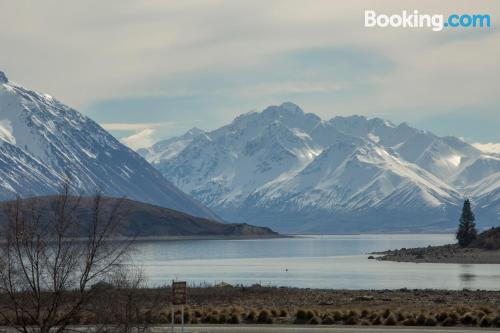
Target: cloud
x,y
132,126
488,147
141,139
92,51
291,88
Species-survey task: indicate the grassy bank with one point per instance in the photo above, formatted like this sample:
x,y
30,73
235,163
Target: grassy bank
x,y
267,305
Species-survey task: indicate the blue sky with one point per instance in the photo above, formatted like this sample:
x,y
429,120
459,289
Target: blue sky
x,y
150,70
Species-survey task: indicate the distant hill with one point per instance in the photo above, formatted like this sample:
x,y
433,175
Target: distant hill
x,y
145,220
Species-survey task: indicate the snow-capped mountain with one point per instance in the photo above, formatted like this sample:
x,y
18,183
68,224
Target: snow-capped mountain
x,y
42,142
168,149
295,172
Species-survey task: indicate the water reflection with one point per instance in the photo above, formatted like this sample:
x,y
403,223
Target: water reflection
x,y
467,276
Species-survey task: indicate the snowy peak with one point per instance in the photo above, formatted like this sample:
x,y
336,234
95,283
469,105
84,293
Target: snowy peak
x,y
194,132
375,129
288,114
42,141
445,157
285,168
169,148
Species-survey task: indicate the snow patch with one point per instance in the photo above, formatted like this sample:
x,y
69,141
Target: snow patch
x,y
454,160
6,132
373,137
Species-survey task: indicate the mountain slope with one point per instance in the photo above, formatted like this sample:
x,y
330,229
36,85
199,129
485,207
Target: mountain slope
x,y
295,172
42,141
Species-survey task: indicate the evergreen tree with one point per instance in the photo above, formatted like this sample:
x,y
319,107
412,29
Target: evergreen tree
x,y
467,228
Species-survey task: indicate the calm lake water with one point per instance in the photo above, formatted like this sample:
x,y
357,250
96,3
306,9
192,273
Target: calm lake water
x,y
330,261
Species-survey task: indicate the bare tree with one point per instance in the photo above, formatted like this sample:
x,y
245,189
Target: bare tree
x,y
53,250
131,306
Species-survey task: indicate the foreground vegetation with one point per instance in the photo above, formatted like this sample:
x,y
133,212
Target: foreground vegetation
x,y
140,307
340,307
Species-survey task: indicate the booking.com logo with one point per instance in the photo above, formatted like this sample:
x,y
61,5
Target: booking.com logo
x,y
436,22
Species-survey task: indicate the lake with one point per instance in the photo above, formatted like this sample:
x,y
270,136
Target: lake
x,y
308,261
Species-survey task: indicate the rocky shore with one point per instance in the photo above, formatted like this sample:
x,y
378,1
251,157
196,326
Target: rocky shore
x,y
485,249
452,254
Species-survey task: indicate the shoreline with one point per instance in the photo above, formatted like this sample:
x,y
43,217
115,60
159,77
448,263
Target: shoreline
x,y
445,254
206,237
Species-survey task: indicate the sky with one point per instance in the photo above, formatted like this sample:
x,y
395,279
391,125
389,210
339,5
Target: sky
x,y
148,70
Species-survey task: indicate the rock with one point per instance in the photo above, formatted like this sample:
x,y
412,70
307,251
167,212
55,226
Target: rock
x,y
3,77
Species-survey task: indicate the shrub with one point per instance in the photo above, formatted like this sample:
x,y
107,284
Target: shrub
x,y
236,309
301,315
264,317
486,309
442,316
485,322
372,316
421,319
377,320
187,316
468,319
480,314
283,313
212,318
449,321
337,315
390,320
496,321
352,313
222,318
365,322
454,316
409,322
352,320
315,321
252,315
431,321
234,319
328,320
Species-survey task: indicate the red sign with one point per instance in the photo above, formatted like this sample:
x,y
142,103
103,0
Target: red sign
x,y
179,293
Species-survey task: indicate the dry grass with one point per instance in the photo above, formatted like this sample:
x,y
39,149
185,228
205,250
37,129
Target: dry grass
x,y
314,307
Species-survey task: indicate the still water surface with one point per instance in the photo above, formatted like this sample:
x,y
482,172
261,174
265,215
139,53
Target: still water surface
x,y
330,261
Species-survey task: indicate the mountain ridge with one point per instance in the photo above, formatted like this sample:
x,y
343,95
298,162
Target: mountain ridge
x,y
43,142
283,168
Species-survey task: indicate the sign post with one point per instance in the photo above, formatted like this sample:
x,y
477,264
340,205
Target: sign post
x,y
179,297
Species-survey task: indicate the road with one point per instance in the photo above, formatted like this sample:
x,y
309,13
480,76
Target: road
x,y
318,329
